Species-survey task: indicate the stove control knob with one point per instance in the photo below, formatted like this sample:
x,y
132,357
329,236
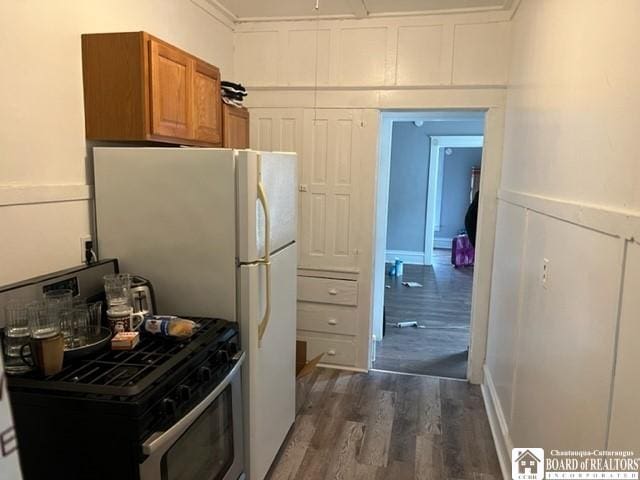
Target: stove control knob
x,y
231,349
204,374
184,391
222,356
169,407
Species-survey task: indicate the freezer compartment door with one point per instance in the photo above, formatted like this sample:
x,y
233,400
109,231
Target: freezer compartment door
x,y
269,375
267,192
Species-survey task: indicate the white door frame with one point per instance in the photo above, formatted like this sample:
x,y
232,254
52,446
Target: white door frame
x,y
387,119
438,143
487,212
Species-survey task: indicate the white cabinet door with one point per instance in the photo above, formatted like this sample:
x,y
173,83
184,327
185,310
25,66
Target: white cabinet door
x,y
330,205
276,129
336,165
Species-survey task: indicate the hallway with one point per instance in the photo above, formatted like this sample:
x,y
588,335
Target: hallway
x,y
442,306
379,426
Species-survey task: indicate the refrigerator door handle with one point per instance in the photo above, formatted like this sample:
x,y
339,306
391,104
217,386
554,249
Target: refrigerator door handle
x,y
266,260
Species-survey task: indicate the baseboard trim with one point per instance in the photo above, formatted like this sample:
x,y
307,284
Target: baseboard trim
x,y
414,258
498,424
444,243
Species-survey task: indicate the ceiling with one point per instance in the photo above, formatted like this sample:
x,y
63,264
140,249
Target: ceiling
x,y
243,9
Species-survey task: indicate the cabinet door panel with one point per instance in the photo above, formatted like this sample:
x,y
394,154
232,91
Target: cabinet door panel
x,y
330,206
171,91
236,127
208,115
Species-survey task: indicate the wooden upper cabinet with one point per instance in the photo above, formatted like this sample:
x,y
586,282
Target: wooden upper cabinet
x,y
171,86
235,123
207,114
137,87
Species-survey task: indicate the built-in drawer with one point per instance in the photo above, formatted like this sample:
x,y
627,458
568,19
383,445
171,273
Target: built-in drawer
x,y
322,317
336,351
327,290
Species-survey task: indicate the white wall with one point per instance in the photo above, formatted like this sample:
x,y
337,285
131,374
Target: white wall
x,y
42,127
569,194
434,62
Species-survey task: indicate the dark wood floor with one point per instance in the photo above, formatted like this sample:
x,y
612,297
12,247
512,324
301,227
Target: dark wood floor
x,y
442,305
375,426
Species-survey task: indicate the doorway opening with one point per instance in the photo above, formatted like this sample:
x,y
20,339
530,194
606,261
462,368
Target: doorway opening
x,y
429,173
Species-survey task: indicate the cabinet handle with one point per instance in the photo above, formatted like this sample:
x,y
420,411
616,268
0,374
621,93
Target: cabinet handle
x,y
332,321
333,291
331,353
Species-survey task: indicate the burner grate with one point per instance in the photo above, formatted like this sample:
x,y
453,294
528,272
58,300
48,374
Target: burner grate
x,y
129,372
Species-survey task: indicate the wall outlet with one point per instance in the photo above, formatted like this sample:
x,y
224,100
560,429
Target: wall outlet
x,y
83,247
545,273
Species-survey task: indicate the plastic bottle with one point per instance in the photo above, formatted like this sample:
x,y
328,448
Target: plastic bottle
x,y
399,267
169,326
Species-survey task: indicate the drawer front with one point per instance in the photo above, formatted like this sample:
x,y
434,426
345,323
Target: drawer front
x,y
318,317
337,352
327,290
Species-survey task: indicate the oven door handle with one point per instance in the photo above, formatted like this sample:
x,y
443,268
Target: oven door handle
x,y
162,440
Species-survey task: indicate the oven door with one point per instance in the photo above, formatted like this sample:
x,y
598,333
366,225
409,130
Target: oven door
x,y
205,444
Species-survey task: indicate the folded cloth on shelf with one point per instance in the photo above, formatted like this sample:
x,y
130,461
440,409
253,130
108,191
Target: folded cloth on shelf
x,y
235,87
233,96
232,93
232,102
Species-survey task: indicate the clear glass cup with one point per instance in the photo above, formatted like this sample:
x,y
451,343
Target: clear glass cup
x,y
74,325
56,301
80,326
95,320
67,326
16,334
40,323
117,287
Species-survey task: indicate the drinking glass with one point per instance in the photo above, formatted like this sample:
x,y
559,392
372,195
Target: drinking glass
x,y
80,326
75,326
16,334
56,301
95,320
67,327
117,288
40,323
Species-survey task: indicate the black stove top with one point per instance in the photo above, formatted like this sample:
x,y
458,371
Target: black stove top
x,y
128,373
108,404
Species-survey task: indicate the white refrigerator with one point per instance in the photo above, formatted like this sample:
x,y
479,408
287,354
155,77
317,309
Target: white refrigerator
x,y
214,230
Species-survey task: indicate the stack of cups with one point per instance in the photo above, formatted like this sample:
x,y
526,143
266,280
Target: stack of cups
x,y
117,288
57,308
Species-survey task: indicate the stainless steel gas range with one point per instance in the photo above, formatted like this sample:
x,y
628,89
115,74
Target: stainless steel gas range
x,y
166,410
